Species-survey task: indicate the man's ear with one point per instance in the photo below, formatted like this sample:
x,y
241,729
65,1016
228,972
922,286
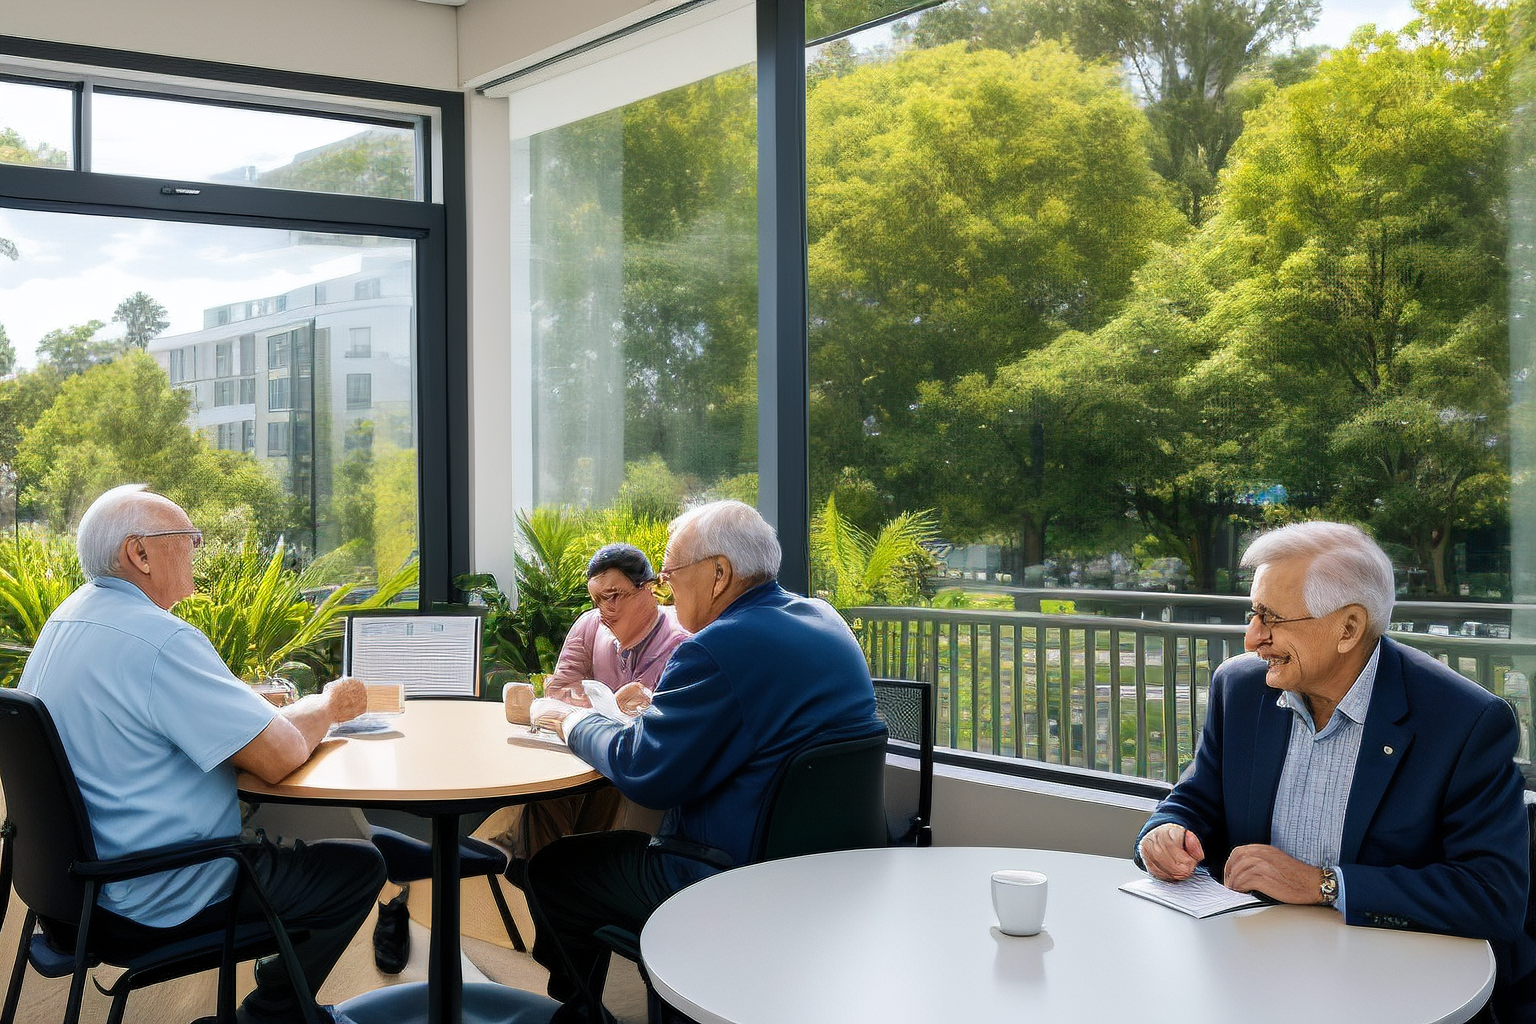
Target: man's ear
x,y
1352,629
724,574
133,555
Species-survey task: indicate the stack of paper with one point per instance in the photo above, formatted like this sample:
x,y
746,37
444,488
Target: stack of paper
x,y
1199,895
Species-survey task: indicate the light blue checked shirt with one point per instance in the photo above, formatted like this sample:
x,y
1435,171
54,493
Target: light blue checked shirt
x,y
1308,823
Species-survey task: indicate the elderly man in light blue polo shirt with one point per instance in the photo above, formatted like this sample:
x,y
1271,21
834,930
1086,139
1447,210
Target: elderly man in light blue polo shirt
x,y
156,728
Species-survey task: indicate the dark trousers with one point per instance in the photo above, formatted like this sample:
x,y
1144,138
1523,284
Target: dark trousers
x,y
579,884
326,888
1512,1003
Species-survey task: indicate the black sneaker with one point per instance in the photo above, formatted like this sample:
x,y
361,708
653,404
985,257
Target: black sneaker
x,y
392,936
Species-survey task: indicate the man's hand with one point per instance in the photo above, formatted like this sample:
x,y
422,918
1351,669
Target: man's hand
x,y
346,699
633,698
1171,852
548,713
1265,869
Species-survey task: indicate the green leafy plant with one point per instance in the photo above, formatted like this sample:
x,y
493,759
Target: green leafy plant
x,y
853,568
38,570
254,611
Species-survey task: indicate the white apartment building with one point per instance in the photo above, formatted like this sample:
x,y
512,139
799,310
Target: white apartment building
x,y
296,378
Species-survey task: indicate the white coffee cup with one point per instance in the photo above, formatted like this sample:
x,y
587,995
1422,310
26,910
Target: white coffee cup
x,y
1019,899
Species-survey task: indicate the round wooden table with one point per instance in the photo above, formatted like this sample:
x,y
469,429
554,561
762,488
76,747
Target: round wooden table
x,y
909,935
440,759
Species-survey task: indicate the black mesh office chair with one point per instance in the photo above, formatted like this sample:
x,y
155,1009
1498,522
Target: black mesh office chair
x,y
50,855
906,708
828,796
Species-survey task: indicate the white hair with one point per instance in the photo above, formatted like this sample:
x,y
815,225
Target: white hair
x,y
734,530
1346,567
113,518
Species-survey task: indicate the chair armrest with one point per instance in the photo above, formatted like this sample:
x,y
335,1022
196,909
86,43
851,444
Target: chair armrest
x,y
160,858
680,847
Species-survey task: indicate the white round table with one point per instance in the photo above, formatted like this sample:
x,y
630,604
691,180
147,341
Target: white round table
x,y
909,935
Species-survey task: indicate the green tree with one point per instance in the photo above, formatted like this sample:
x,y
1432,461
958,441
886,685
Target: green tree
x,y
142,318
376,162
122,421
1191,60
16,150
965,209
74,350
1365,207
1034,446
7,353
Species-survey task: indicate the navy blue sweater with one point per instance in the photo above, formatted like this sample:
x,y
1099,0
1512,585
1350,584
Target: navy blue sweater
x,y
736,700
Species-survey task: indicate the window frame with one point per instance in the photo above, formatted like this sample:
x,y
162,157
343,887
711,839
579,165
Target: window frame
x,y
436,222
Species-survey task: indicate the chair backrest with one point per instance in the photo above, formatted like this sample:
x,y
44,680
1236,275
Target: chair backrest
x,y
433,655
906,708
829,796
42,801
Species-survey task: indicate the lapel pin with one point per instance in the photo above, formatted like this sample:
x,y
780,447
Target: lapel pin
x,y
1387,751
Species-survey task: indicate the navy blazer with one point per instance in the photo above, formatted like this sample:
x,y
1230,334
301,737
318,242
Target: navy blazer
x,y
1435,835
736,700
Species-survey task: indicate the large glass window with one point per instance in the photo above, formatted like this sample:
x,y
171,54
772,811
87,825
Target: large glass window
x,y
100,409
640,230
1094,298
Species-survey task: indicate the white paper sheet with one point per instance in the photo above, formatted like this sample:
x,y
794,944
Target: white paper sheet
x,y
432,655
1199,895
603,701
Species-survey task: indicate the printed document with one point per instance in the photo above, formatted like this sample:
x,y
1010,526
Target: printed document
x,y
431,655
1199,895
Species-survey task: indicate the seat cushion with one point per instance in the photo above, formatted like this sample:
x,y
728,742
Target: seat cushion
x,y
483,1002
408,859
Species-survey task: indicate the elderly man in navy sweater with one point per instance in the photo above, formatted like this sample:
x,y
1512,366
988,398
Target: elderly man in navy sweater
x,y
766,672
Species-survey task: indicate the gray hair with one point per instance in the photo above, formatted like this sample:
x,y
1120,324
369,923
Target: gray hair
x,y
734,530
113,518
1347,567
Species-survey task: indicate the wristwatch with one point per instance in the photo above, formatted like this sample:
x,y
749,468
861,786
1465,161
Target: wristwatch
x,y
1328,888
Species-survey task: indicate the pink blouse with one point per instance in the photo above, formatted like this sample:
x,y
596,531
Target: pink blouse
x,y
592,652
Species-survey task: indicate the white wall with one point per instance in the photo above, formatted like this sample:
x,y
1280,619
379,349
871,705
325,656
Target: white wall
x,y
398,41
490,337
977,808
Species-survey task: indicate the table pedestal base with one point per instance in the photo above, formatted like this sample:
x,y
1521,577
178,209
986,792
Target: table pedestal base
x,y
484,1003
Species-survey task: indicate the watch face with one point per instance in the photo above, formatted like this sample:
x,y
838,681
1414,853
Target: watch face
x,y
1329,888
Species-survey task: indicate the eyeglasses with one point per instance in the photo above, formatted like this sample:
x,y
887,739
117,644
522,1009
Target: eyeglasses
x,y
665,576
1269,620
196,535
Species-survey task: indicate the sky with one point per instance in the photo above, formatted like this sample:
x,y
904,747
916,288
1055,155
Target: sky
x,y
76,268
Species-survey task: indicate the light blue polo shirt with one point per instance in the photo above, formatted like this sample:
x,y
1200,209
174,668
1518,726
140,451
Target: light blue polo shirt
x,y
149,715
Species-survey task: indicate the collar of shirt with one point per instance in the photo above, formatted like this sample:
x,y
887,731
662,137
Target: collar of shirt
x,y
122,586
1355,704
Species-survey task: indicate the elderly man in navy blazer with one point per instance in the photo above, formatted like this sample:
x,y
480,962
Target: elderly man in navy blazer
x,y
765,673
1339,768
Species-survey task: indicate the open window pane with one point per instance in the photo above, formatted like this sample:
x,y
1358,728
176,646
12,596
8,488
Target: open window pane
x,y
184,140
37,124
211,363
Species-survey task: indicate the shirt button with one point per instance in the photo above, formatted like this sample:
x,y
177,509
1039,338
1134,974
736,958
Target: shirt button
x,y
1387,751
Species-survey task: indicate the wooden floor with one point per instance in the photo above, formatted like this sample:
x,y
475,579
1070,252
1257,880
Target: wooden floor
x,y
487,955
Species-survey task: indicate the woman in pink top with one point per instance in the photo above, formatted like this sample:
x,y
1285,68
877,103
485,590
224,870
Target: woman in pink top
x,y
624,643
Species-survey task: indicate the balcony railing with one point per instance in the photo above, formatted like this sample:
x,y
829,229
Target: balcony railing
x,y
1126,696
